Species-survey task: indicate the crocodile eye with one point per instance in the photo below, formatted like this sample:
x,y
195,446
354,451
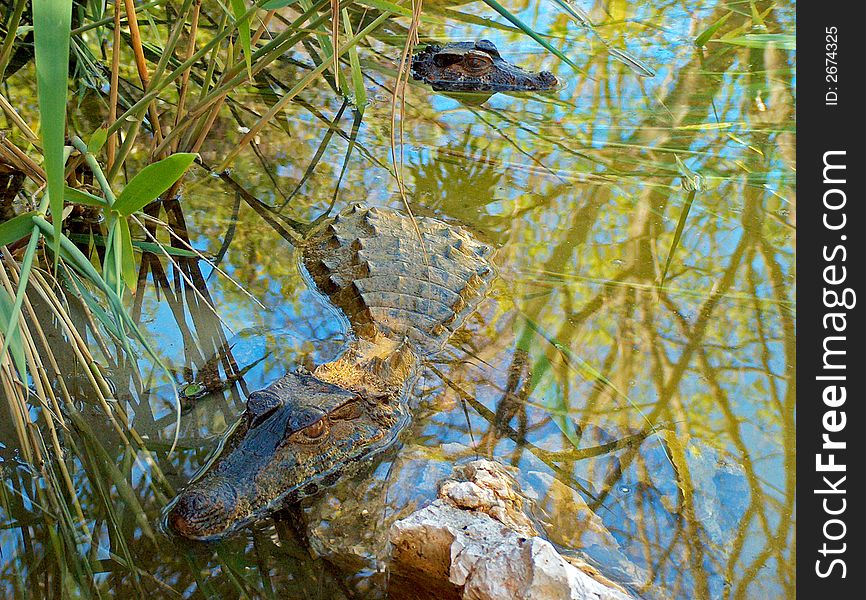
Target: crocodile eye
x,y
316,431
347,412
477,63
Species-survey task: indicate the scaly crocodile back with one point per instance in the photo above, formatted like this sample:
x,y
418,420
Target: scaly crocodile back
x,y
370,264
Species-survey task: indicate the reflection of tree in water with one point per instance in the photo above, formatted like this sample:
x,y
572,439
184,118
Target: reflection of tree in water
x,y
460,180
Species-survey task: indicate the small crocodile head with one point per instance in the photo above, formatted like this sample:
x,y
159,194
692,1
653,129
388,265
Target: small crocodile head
x,y
296,437
475,67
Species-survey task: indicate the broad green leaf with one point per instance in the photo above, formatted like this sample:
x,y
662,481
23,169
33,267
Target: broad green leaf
x,y
82,197
51,26
160,248
16,228
97,140
152,181
243,25
678,234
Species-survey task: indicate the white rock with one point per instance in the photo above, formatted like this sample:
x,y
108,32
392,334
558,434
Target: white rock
x,y
460,539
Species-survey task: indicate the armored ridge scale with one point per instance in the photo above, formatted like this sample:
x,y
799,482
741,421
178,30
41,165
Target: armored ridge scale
x,y
403,298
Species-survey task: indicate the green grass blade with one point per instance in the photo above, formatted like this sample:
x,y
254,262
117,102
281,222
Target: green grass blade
x,y
784,41
124,320
12,335
82,197
137,244
111,267
152,181
243,25
528,31
127,259
16,228
757,19
632,62
51,26
692,182
705,36
357,74
578,14
93,304
97,140
681,224
384,5
11,317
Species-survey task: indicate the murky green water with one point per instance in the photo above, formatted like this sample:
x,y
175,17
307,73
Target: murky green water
x,y
581,191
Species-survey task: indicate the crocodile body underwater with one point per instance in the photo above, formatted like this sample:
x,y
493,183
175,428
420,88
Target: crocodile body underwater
x,y
403,301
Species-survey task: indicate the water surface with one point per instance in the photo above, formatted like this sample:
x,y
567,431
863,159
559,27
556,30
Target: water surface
x,y
581,191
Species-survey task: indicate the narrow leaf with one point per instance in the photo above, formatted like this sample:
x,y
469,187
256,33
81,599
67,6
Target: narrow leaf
x,y
632,62
138,245
16,228
578,14
97,140
678,234
528,31
357,74
12,336
111,268
82,197
704,37
383,5
51,26
15,309
243,25
152,181
128,271
785,41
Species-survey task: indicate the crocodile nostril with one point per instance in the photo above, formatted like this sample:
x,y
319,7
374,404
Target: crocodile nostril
x,y
182,517
202,513
547,78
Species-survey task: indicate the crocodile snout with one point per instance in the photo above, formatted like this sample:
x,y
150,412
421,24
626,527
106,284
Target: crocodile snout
x,y
204,513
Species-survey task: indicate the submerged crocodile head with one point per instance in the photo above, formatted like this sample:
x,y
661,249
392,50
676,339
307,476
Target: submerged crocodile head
x,y
296,436
475,67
